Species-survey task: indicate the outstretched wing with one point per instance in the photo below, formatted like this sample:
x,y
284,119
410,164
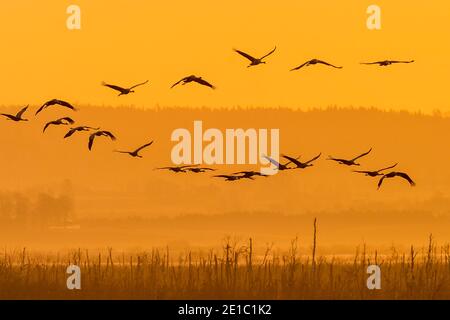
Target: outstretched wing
x,y
144,146
269,53
21,112
362,155
189,166
10,116
47,125
293,160
314,159
91,140
406,177
114,87
381,181
396,61
301,66
244,172
246,55
328,64
109,134
70,132
45,105
69,120
65,104
204,82
387,168
177,83
139,84
335,159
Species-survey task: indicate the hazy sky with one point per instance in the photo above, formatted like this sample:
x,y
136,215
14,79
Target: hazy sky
x,y
128,41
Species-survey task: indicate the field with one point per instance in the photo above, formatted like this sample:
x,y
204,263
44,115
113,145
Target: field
x,y
236,272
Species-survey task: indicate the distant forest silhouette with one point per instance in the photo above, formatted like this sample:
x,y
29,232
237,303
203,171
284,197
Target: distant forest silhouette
x,y
40,211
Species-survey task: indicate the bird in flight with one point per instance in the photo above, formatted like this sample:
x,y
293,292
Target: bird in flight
x,y
386,63
199,170
280,167
135,153
250,174
230,177
396,174
314,62
101,133
123,91
79,129
17,117
254,61
193,78
62,121
375,173
56,102
299,164
350,162
177,169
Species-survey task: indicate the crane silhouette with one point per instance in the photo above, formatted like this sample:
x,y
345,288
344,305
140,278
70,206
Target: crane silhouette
x,y
135,153
177,169
394,174
250,174
199,170
350,162
254,61
386,63
314,62
193,78
16,117
61,121
123,91
228,177
375,173
78,129
55,102
101,133
302,165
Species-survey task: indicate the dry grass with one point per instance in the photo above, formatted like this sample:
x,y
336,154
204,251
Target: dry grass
x,y
234,273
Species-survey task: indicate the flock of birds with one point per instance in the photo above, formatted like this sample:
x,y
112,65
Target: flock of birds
x,y
297,164
291,164
62,121
254,62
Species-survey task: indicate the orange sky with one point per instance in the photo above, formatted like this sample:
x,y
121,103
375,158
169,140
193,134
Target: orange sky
x,y
124,42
